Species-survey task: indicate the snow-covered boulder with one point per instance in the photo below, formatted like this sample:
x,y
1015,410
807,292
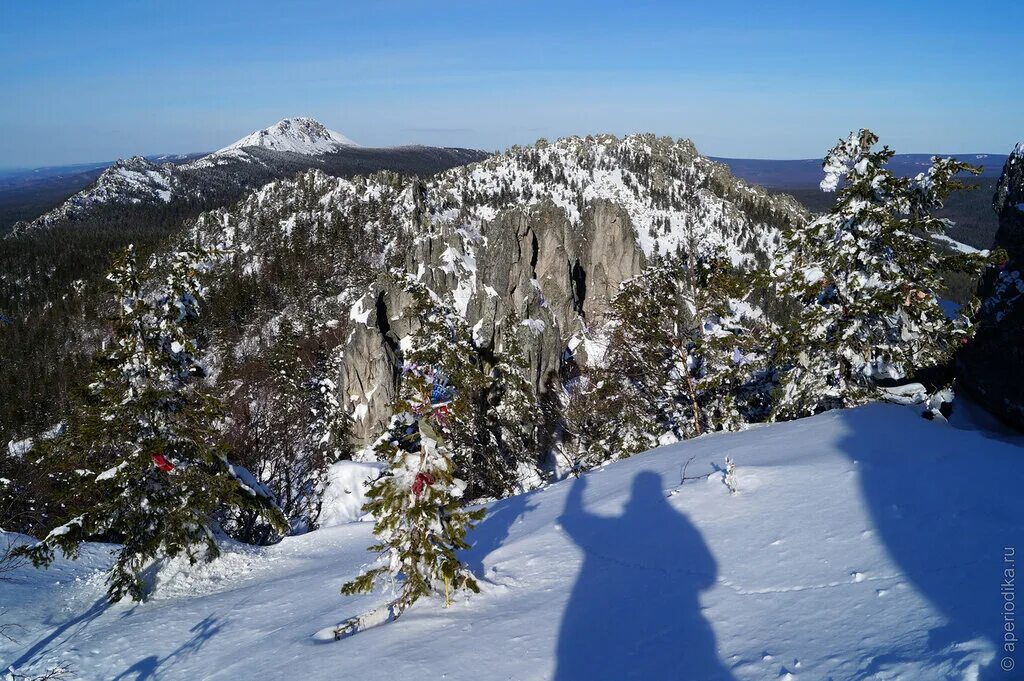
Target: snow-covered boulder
x,y
347,483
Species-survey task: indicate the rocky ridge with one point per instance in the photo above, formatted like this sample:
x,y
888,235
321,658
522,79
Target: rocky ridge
x,y
535,241
288,147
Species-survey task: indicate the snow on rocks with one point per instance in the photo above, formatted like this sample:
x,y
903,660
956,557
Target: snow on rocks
x,y
686,202
19,448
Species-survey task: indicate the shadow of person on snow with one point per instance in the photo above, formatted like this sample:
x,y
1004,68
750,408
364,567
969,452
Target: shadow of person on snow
x,y
635,612
65,632
147,667
925,494
493,530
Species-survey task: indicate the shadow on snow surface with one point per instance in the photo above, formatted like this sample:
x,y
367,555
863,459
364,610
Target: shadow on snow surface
x,y
147,667
67,631
922,492
634,612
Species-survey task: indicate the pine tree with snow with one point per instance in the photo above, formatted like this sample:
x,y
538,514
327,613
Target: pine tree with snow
x,y
512,416
683,351
417,504
151,424
602,418
491,435
730,348
646,380
444,342
865,279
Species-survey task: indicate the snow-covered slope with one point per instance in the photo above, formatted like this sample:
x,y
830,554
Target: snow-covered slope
x,y
288,147
132,180
295,135
861,544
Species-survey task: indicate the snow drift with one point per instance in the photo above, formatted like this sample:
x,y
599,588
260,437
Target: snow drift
x,y
345,493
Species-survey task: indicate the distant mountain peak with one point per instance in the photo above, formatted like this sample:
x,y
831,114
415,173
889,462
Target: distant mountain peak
x,y
301,135
138,163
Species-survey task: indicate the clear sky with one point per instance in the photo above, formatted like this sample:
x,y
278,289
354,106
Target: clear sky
x,y
91,81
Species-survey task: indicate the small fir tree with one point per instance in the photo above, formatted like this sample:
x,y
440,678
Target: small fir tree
x,y
729,354
601,419
492,433
865,281
647,376
443,342
152,424
417,503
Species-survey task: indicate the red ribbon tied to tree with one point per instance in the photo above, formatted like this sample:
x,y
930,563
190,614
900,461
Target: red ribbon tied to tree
x,y
442,413
162,463
422,480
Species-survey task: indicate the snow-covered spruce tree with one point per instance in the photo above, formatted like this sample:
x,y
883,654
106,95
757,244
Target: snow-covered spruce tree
x,y
600,417
646,380
726,356
511,419
491,435
443,342
683,351
417,503
865,281
152,424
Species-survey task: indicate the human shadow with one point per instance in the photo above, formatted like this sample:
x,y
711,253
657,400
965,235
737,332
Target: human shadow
x,y
142,670
65,631
147,667
925,495
634,612
492,532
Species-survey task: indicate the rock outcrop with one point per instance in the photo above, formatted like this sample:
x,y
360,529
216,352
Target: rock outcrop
x,y
533,242
991,367
543,238
538,269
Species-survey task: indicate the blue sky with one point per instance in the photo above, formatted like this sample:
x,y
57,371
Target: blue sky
x,y
90,81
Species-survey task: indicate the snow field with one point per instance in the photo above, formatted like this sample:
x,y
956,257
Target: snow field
x,y
866,543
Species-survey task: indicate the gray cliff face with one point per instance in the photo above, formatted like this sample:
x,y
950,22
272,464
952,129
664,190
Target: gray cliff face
x,y
991,367
537,265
